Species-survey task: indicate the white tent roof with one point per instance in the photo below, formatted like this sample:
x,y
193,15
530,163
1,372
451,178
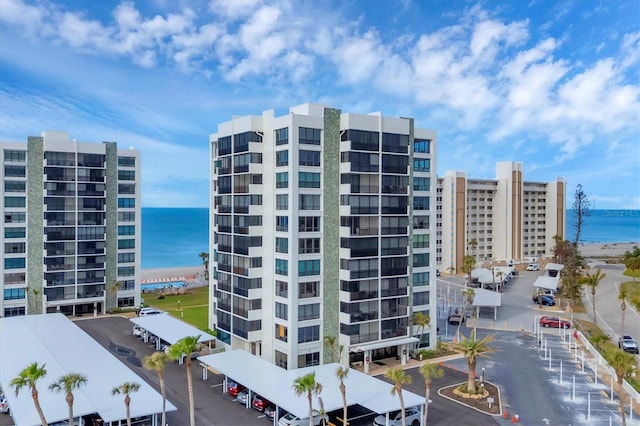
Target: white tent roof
x,y
483,297
56,342
550,283
276,384
170,329
554,266
482,274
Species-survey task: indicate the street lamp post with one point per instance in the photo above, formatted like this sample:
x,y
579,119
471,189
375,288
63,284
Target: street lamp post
x,y
482,381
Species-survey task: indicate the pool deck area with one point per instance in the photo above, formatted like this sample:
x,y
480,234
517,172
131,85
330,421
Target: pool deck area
x,y
193,276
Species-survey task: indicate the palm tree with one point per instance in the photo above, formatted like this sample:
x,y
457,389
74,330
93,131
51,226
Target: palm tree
x,y
205,261
472,348
429,371
307,385
330,342
341,374
592,280
28,378
468,265
126,389
467,296
598,339
624,364
321,412
622,297
422,320
632,263
473,244
36,305
68,383
185,347
398,377
156,362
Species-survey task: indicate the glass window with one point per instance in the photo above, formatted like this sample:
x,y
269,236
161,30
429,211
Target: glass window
x,y
14,293
14,263
126,203
15,186
126,175
282,223
308,312
15,232
281,311
422,145
421,259
282,288
309,224
420,240
282,267
126,161
308,245
421,203
282,158
309,136
308,267
308,180
309,158
282,180
15,201
126,244
282,136
420,279
281,359
421,184
421,298
126,230
309,360
281,332
308,289
309,202
282,245
421,165
15,171
282,202
13,156
309,334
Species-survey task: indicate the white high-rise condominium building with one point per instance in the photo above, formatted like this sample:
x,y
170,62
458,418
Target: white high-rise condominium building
x,y
321,226
71,229
497,219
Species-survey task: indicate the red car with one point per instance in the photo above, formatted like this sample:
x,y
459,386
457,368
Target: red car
x,y
259,403
234,388
554,322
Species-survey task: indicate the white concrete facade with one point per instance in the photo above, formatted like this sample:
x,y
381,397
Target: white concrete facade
x,y
321,225
72,226
507,217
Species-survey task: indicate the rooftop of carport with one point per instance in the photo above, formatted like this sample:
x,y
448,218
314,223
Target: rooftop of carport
x,y
62,347
554,266
549,283
276,384
170,329
487,298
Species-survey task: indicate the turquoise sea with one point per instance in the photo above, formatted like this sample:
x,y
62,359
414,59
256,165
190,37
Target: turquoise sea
x,y
174,237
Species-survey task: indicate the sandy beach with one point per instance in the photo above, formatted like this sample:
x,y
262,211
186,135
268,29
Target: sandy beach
x,y
188,273
606,249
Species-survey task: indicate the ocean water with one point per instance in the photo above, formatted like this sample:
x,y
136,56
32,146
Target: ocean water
x,y
174,237
606,226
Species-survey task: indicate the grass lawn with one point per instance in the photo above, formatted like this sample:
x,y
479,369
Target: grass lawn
x,y
193,307
633,292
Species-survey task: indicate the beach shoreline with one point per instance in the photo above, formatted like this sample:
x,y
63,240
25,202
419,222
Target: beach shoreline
x,y
614,249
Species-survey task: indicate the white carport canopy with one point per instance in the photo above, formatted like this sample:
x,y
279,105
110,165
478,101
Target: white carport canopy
x,y
56,342
276,384
488,298
482,274
549,283
385,344
170,329
554,266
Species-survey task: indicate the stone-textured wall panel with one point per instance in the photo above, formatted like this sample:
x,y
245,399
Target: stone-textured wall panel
x,y
111,206
35,225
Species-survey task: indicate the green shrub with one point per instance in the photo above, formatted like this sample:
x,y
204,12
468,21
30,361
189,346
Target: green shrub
x,y
161,297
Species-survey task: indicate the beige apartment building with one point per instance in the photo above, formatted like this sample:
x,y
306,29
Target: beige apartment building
x,y
507,217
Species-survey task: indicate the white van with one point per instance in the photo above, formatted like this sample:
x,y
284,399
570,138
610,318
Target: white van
x,y
533,267
145,312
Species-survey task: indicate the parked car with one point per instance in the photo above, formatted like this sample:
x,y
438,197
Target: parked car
x,y
456,318
144,313
554,322
259,403
66,422
544,299
138,331
270,411
437,272
234,388
533,267
412,417
4,405
243,396
627,344
291,420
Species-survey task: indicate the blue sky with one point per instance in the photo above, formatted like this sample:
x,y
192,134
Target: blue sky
x,y
553,84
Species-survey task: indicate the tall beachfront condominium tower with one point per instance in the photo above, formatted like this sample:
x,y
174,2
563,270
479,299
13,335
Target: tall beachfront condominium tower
x,y
321,226
502,218
71,228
